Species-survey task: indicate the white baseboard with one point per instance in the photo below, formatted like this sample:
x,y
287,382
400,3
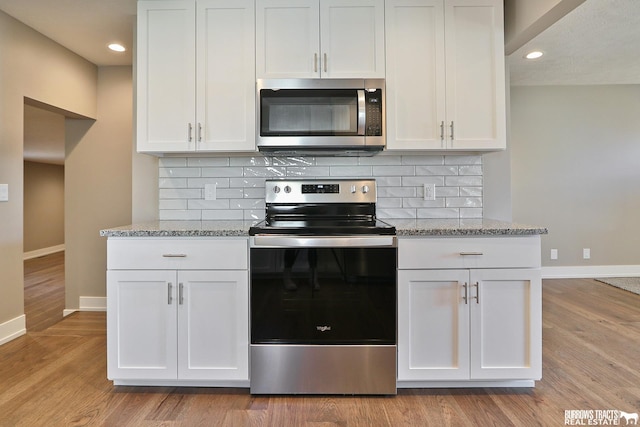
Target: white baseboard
x,y
93,304
88,304
44,251
12,329
590,271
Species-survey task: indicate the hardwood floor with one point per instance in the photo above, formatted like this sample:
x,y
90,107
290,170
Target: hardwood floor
x,y
591,361
44,291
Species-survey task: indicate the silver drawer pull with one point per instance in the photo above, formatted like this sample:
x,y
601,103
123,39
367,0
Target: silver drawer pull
x,y
471,253
174,255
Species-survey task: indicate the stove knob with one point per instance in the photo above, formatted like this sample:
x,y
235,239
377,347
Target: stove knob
x,y
353,189
287,189
276,189
365,189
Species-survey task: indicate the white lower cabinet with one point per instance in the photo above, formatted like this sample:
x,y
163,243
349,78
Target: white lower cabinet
x,y
469,324
166,326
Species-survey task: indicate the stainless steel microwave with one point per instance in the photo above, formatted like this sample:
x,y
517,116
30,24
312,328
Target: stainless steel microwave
x,y
339,117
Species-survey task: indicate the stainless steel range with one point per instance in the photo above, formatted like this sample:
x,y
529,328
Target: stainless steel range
x,y
323,291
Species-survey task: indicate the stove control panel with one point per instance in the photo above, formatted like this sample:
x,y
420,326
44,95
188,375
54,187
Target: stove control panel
x,y
320,188
320,191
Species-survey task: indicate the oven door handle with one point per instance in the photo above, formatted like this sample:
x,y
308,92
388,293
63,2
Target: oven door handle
x,y
267,240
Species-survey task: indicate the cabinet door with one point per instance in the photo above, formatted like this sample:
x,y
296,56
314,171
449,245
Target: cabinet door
x,y
475,80
506,324
226,75
352,38
415,74
433,325
288,39
213,325
166,75
141,324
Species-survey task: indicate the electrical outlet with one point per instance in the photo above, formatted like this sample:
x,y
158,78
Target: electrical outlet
x,y
586,253
210,191
429,191
554,254
4,192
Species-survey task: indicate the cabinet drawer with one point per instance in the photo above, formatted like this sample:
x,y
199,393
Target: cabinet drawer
x,y
177,254
480,252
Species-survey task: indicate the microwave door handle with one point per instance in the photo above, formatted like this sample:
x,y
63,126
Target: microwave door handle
x,y
361,112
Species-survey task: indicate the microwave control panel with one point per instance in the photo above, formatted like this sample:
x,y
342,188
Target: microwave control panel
x,y
373,105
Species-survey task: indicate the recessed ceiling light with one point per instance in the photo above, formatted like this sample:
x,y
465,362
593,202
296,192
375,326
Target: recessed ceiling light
x,y
534,54
116,47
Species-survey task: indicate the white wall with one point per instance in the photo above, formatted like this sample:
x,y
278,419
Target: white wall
x,y
575,153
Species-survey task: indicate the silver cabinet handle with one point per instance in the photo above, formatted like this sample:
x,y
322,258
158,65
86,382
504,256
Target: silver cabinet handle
x,y
174,255
362,113
325,62
471,253
442,132
181,293
315,62
466,293
451,130
190,132
199,132
169,296
477,297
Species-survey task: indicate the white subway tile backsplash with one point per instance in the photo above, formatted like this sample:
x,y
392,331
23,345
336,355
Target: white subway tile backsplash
x,y
423,160
240,184
438,213
396,213
436,170
167,162
174,172
180,193
179,215
250,161
308,171
394,170
464,202
350,171
172,182
389,202
201,162
265,172
228,214
208,204
222,172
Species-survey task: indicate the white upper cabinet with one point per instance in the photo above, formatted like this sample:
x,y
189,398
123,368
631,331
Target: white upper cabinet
x,y
445,76
320,38
166,76
196,76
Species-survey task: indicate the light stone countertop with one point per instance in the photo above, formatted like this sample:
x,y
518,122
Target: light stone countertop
x,y
181,229
463,227
404,227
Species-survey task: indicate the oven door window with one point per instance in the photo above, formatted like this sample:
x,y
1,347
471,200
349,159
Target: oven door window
x,y
323,296
308,112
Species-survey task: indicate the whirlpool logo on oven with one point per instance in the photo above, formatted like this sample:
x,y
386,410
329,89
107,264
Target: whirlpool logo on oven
x,y
323,328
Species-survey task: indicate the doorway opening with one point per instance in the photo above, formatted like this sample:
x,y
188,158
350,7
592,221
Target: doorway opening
x,y
43,217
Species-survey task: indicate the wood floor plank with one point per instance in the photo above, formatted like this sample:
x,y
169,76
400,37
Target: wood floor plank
x,y
591,360
44,291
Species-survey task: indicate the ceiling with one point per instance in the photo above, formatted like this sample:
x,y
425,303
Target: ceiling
x,y
85,27
597,43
